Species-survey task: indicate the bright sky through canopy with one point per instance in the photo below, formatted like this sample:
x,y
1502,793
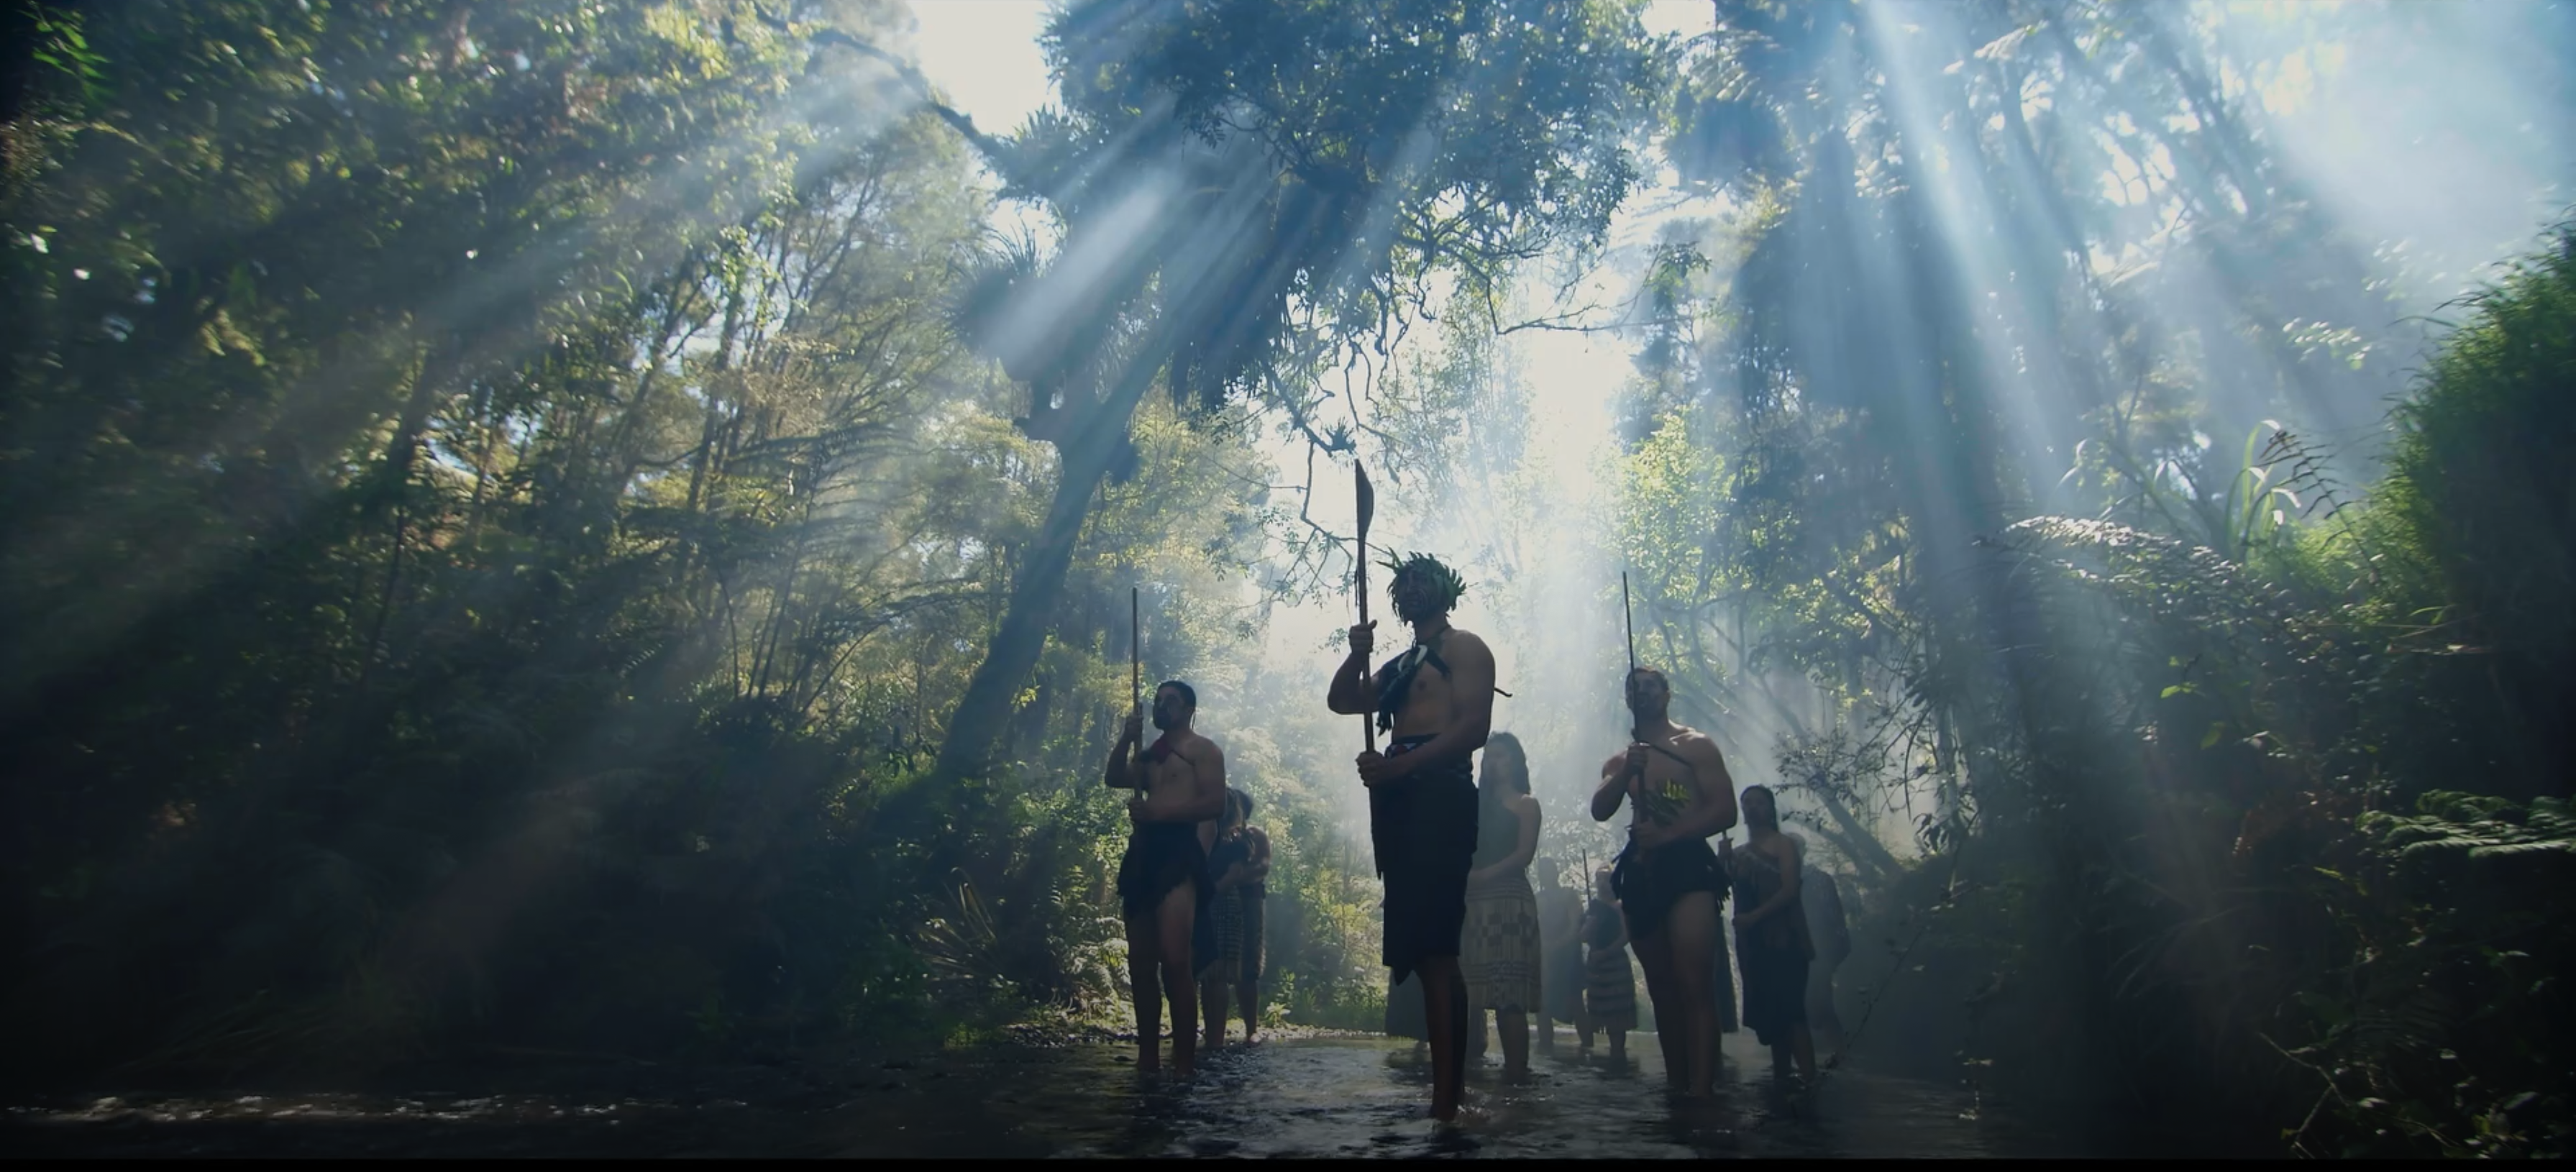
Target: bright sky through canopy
x,y
594,534
985,54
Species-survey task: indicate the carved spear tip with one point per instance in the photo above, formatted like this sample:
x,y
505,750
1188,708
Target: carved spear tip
x,y
1367,496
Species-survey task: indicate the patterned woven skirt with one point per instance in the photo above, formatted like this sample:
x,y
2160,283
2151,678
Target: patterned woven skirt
x,y
1610,989
1499,953
1221,958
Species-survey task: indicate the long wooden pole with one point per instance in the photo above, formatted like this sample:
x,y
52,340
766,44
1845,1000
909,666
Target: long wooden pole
x,y
1628,618
1135,653
1628,615
1359,585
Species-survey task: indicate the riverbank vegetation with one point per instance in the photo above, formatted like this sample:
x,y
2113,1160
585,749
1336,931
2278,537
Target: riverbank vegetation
x,y
567,526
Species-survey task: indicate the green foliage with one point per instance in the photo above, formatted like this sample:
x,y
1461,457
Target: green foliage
x,y
1410,137
551,517
2479,827
2479,479
2445,1032
61,49
2335,671
571,518
1255,194
510,540
1920,481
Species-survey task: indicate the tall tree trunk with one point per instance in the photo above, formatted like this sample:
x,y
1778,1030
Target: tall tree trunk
x,y
1857,842
983,713
701,486
410,431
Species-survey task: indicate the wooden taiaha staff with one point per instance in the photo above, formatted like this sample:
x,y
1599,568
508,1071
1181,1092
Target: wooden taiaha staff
x,y
1628,615
1359,586
1135,653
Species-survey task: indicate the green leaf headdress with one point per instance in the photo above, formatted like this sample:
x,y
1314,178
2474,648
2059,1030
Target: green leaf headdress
x,y
1443,582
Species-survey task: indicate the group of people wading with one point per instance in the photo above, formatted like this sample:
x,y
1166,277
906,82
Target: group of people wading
x,y
1462,923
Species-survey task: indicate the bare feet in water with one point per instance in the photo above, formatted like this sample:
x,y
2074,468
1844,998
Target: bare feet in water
x,y
1468,1116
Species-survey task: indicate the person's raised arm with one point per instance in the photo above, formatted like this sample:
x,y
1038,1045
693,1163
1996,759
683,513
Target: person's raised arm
x,y
1471,711
1354,690
1121,771
1613,789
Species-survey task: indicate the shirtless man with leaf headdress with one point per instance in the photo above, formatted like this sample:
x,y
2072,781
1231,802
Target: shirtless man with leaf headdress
x,y
1437,702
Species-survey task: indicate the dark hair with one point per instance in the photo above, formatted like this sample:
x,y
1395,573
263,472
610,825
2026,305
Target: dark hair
x,y
1443,583
1504,740
1246,799
1659,677
1769,798
1189,695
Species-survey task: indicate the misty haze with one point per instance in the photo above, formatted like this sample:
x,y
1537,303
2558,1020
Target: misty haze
x,y
1493,578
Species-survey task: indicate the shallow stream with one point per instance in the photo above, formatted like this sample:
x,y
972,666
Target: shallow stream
x,y
1313,1096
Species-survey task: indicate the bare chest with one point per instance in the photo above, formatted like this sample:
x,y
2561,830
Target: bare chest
x,y
1173,774
1667,791
1424,707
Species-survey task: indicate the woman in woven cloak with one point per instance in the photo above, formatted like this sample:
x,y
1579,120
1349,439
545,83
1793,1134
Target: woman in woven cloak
x,y
1500,952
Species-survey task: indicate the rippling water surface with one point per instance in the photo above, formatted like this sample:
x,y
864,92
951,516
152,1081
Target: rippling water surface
x,y
1289,1097
1351,1097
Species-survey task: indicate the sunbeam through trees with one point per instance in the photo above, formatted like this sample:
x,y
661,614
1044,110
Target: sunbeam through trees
x,y
551,530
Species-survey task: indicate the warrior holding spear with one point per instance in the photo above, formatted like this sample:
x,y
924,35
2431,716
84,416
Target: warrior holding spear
x,y
1422,790
1163,883
1667,879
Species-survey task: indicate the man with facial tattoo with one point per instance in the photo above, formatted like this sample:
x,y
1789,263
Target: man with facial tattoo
x,y
1667,879
1163,883
1437,703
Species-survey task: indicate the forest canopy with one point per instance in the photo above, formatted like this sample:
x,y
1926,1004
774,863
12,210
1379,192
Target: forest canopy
x,y
548,523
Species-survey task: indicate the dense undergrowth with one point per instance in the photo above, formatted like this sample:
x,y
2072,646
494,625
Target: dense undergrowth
x,y
504,511
2308,871
533,525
